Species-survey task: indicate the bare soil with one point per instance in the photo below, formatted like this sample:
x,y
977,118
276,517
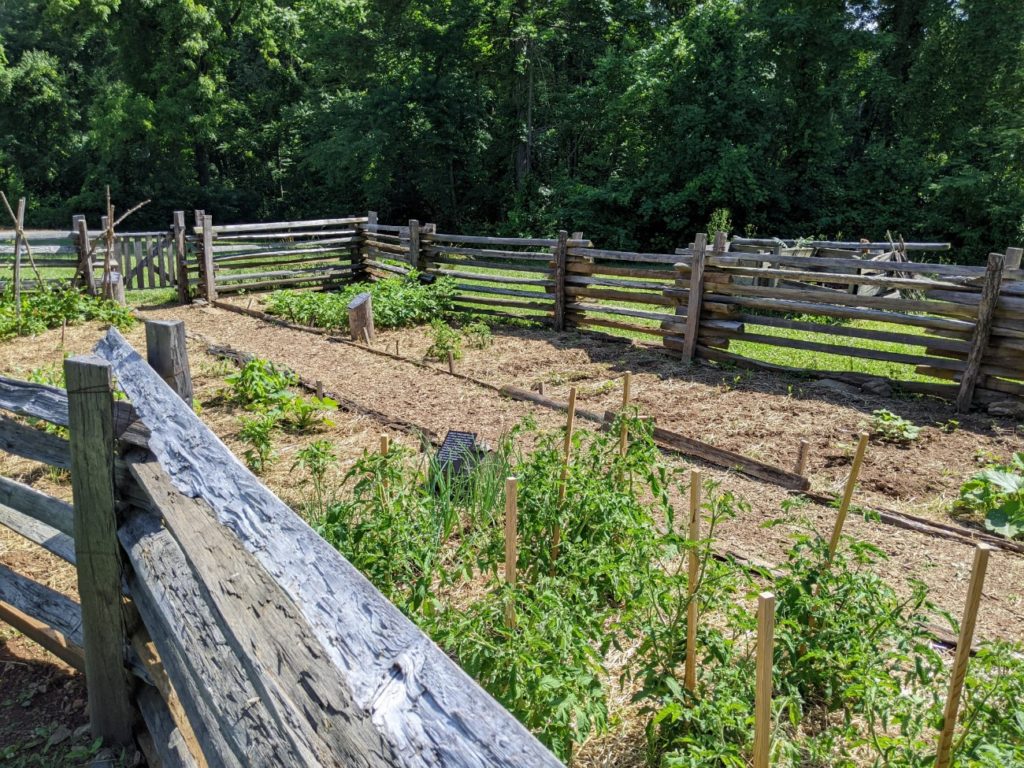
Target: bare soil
x,y
761,415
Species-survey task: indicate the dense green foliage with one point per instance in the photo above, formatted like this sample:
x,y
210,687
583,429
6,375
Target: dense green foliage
x,y
55,306
398,302
857,676
997,495
636,122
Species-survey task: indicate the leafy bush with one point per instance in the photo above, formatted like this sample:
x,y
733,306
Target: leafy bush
x,y
398,302
997,493
890,428
54,306
260,384
478,334
444,339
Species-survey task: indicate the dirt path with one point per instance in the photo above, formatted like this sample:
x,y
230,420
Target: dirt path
x,y
436,401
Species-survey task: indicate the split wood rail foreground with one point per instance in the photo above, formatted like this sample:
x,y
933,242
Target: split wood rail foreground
x,y
215,627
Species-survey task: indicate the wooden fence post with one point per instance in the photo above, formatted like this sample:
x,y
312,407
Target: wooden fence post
x,y
763,690
693,566
963,655
694,300
85,268
1013,257
180,256
511,545
19,228
167,354
209,277
360,254
415,257
561,256
104,627
982,330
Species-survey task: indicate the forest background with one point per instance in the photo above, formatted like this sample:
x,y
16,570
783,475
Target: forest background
x,y
638,122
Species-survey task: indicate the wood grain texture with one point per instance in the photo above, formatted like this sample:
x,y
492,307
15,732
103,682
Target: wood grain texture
x,y
168,745
91,425
427,710
52,512
982,331
46,616
763,689
47,537
167,354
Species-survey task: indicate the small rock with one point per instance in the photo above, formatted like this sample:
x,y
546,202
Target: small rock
x,y
835,386
877,387
1013,409
62,733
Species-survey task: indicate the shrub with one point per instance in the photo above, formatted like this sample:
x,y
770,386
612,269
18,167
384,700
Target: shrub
x,y
53,306
398,302
444,339
997,493
478,334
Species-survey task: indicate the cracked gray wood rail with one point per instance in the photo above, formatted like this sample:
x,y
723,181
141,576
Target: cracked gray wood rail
x,y
408,704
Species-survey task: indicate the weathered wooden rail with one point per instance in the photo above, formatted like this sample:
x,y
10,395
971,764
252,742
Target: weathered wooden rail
x,y
214,626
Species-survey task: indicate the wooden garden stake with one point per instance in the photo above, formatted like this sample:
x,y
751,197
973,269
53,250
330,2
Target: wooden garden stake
x,y
570,420
963,655
366,335
396,347
385,445
801,458
763,690
511,546
693,566
844,506
319,390
624,435
451,362
167,354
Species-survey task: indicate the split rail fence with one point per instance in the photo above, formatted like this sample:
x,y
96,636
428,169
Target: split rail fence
x,y
214,627
960,323
956,323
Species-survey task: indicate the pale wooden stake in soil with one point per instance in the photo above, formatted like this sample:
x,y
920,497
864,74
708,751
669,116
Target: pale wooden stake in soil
x,y
91,426
167,354
624,435
570,420
963,655
451,362
385,445
844,506
763,692
693,566
511,545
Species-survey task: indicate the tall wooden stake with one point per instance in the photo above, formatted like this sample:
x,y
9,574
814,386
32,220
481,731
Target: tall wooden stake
x,y
180,256
560,258
801,458
570,420
104,627
844,506
624,434
385,445
511,545
693,572
19,228
963,655
763,691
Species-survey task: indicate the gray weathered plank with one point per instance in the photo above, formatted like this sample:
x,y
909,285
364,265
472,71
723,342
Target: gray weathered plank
x,y
38,401
42,609
47,537
226,711
167,741
31,443
46,509
426,709
265,629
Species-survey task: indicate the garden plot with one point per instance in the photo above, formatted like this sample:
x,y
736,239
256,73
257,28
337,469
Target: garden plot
x,y
437,401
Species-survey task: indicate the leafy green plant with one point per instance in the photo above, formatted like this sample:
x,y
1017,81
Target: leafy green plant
x,y
257,432
478,334
260,384
302,414
398,302
444,340
55,305
997,493
317,458
890,428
